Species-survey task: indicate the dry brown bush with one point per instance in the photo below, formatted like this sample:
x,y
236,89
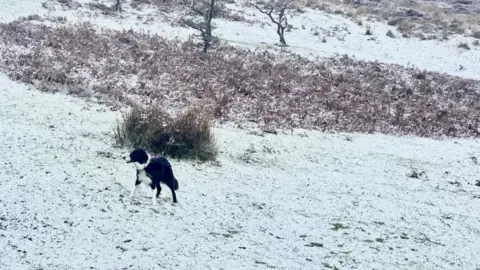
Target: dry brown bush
x,y
187,135
339,94
463,45
104,9
69,3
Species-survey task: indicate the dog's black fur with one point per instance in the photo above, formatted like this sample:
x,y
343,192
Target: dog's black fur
x,y
158,169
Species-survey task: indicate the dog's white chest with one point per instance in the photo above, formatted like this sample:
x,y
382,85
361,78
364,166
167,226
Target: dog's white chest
x,y
143,177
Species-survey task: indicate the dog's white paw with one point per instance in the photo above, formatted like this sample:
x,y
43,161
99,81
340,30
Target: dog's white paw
x,y
154,197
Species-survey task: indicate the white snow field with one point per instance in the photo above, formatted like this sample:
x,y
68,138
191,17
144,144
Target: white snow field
x,y
295,200
305,200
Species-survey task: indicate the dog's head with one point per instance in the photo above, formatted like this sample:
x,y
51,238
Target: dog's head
x,y
139,157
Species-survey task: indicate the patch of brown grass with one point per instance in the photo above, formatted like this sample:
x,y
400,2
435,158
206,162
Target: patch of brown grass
x,y
104,9
413,18
337,94
187,135
464,46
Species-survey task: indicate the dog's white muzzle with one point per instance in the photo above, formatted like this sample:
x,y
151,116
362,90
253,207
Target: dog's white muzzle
x,y
127,158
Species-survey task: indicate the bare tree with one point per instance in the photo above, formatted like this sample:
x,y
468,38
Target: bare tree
x,y
275,9
208,9
118,6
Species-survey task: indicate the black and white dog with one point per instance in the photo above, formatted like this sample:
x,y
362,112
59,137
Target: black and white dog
x,y
152,172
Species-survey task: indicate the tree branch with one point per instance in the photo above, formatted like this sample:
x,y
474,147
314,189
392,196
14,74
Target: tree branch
x,y
269,13
194,26
198,11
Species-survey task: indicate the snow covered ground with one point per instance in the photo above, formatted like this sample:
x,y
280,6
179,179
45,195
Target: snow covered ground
x,y
300,200
304,200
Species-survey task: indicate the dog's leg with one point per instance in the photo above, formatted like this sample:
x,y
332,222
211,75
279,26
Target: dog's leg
x,y
134,189
154,197
172,188
159,189
132,193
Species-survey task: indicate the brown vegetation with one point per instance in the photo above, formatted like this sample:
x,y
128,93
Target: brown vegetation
x,y
428,20
186,135
339,94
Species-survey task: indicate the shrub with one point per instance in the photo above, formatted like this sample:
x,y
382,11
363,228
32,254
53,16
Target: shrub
x,y
368,31
464,45
395,21
192,130
188,135
422,75
390,34
100,6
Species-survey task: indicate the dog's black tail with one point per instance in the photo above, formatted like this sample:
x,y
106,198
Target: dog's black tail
x,y
175,184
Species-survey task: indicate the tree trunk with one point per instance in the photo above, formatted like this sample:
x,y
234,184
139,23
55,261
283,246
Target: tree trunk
x,y
280,32
207,38
118,6
205,46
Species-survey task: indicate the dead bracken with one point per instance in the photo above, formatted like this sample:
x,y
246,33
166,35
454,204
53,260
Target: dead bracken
x,y
415,173
335,94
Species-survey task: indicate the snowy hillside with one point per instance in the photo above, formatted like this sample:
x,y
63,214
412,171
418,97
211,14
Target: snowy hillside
x,y
293,201
343,36
299,199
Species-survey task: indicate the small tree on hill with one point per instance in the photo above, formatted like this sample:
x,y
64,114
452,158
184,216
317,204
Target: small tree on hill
x,y
207,9
275,10
118,5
